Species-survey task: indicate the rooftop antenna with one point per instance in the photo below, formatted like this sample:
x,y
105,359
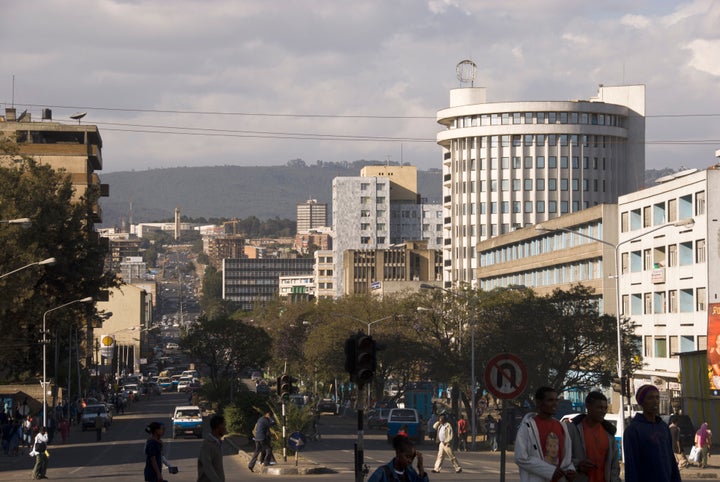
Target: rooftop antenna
x,y
13,91
466,72
78,115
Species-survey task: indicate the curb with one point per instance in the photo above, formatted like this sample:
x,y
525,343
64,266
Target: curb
x,y
308,467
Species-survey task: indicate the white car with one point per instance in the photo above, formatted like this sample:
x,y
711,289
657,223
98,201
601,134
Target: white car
x,y
91,411
183,383
172,346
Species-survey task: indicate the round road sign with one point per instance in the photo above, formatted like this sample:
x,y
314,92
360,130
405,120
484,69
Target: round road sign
x,y
297,441
505,376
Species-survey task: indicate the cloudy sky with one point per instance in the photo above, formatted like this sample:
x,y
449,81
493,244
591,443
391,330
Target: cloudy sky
x,y
256,82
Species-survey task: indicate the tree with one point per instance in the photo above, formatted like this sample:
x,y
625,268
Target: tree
x,y
61,228
226,345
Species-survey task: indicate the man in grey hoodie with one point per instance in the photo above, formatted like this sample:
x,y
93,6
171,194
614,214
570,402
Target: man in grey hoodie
x,y
594,450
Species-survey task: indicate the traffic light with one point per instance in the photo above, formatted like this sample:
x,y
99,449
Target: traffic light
x,y
350,356
365,362
285,387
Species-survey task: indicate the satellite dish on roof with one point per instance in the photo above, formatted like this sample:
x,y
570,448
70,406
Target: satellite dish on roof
x,y
466,71
78,115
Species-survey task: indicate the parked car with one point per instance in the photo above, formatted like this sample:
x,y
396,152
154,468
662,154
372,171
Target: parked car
x,y
183,383
187,420
405,416
378,418
165,383
172,346
91,411
327,405
132,388
256,376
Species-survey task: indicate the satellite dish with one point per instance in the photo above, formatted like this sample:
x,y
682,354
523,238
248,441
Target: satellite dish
x,y
78,115
466,71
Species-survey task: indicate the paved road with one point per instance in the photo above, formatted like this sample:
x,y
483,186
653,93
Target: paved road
x,y
119,456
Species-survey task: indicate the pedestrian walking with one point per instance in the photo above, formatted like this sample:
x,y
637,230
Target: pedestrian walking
x,y
445,439
99,424
400,468
64,429
39,451
680,457
153,452
543,450
263,441
594,451
210,461
647,442
491,427
703,441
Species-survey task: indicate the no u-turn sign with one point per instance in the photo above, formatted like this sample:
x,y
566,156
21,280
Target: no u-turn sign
x,y
506,376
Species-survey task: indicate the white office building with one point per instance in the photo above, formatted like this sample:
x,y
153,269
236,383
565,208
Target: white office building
x,y
508,165
665,281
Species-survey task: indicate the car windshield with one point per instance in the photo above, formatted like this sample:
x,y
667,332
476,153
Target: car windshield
x,y
403,416
190,413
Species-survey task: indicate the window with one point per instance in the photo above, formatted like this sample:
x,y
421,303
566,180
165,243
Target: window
x,y
516,206
661,347
493,163
647,340
552,162
541,117
540,206
528,206
686,253
625,262
493,185
505,184
635,219
540,140
552,206
701,299
563,184
687,301
636,304
672,210
563,207
505,162
659,302
516,162
563,162
575,184
528,184
635,262
528,162
364,186
505,207
647,303
528,117
540,162
699,203
672,301
672,255
516,184
364,214
659,214
625,305
364,226
528,139
624,221
493,207
647,221
647,260
540,184
552,184
380,200
685,207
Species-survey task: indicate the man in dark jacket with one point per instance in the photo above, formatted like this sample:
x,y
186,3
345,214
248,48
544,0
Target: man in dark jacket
x,y
210,461
594,451
648,444
263,442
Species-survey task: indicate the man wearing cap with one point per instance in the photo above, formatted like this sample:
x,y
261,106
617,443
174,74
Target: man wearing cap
x,y
648,444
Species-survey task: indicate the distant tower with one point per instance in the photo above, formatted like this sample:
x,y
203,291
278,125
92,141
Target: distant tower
x,y
177,223
311,215
130,220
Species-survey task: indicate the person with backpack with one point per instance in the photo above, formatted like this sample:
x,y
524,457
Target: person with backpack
x,y
39,451
400,468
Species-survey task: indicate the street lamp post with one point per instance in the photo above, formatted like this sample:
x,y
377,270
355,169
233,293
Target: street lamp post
x,y
44,342
49,261
473,423
689,222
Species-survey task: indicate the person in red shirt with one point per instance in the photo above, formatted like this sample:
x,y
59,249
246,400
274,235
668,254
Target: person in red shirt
x,y
594,450
462,434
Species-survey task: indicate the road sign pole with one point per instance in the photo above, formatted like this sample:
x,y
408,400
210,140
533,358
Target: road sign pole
x,y
503,439
360,446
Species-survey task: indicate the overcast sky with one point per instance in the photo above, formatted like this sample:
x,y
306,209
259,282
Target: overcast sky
x,y
357,69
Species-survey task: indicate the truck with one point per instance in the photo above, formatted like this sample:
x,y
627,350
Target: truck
x,y
187,420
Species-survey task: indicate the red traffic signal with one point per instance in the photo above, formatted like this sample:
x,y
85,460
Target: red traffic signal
x,y
365,362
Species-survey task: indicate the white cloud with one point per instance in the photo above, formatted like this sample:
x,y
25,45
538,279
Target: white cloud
x,y
635,21
705,56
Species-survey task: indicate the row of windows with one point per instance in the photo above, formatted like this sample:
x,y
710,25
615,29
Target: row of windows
x,y
325,286
553,275
552,184
368,200
525,118
537,162
681,254
661,346
365,240
519,207
688,300
364,213
364,186
527,140
378,226
663,212
549,243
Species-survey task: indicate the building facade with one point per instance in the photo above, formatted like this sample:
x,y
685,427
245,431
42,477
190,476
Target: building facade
x,y
250,281
555,257
311,215
324,274
507,165
666,280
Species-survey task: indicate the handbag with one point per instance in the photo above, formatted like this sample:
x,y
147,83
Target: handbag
x,y
695,454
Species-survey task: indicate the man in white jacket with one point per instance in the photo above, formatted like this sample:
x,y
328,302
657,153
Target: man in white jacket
x,y
444,438
543,449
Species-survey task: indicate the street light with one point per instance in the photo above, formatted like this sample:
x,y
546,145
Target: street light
x,y
688,223
49,261
370,323
426,286
44,342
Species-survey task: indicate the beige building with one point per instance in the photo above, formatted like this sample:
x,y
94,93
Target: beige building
x,y
76,148
367,270
131,308
556,257
311,214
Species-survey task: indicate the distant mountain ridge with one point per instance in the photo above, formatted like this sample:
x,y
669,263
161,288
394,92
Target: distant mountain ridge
x,y
229,191
240,191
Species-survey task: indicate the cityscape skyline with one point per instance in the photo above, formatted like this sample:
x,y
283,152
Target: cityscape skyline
x,y
257,83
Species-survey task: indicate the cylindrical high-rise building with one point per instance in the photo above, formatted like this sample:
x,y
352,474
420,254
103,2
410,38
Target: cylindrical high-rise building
x,y
507,165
